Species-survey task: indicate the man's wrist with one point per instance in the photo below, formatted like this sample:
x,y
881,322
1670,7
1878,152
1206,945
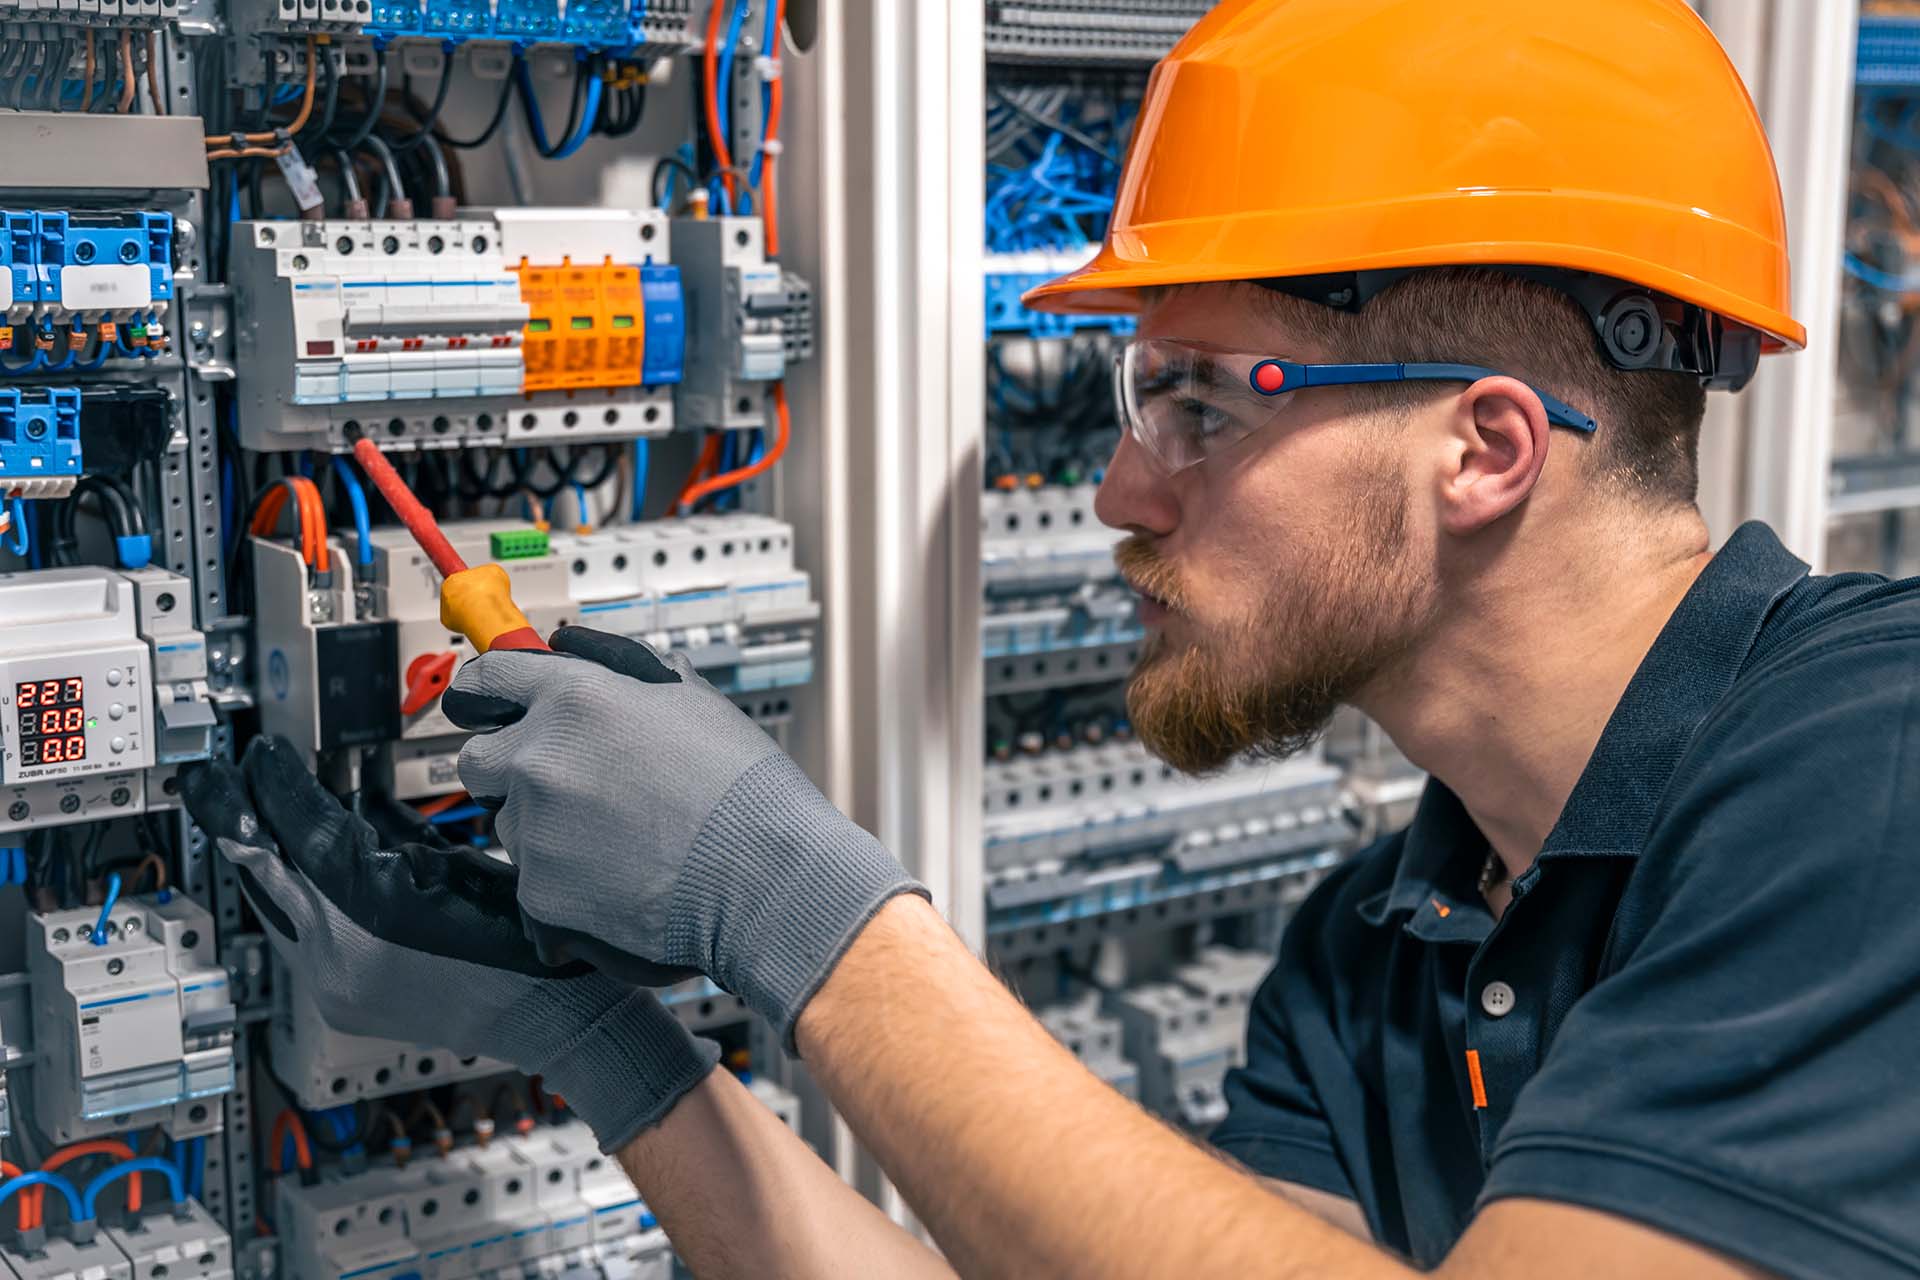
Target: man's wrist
x,y
905,923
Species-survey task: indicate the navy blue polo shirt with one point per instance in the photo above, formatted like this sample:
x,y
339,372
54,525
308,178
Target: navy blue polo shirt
x,y
1701,1010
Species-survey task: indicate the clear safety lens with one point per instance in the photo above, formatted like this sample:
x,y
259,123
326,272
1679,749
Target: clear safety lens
x,y
1184,400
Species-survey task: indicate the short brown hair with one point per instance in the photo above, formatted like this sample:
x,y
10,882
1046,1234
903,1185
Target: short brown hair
x,y
1648,440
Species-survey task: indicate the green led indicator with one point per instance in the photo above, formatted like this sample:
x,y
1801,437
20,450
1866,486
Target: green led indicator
x,y
93,722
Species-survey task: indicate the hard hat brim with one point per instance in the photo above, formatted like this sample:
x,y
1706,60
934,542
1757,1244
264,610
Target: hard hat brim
x,y
1477,228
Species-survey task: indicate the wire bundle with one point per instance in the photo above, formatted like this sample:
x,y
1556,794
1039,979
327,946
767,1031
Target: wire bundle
x,y
37,74
1052,166
309,519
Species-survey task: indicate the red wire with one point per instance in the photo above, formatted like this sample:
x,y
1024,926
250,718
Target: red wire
x,y
722,157
743,474
769,191
302,1153
419,521
702,466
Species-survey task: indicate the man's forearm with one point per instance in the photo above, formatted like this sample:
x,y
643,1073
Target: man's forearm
x,y
1016,1157
740,1195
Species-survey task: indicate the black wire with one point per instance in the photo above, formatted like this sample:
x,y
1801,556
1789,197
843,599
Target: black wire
x,y
523,475
20,78
376,102
57,81
493,125
667,164
609,458
1058,126
349,179
436,161
262,117
432,117
321,125
475,485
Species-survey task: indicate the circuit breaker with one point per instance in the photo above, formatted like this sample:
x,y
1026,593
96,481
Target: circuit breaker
x,y
133,1019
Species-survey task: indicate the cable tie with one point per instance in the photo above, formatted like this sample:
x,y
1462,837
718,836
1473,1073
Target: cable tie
x,y
768,67
772,147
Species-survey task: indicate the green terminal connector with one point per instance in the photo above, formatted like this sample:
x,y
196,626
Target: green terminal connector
x,y
517,544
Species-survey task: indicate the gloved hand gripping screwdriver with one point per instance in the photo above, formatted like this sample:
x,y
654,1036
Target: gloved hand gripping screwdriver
x,y
477,602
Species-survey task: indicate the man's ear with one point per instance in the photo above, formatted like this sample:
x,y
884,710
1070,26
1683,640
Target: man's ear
x,y
1500,436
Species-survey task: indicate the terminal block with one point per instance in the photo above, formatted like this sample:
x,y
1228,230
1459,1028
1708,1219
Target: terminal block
x,y
133,1019
40,454
1010,275
547,1203
526,326
744,317
1088,32
102,691
61,266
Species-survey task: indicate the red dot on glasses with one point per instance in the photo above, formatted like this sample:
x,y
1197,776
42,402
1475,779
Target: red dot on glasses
x,y
1269,377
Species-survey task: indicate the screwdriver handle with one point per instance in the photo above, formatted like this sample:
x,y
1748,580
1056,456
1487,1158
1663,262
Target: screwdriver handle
x,y
478,603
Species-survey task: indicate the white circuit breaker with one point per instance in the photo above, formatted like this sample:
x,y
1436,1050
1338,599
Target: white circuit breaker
x,y
323,1067
102,677
512,326
133,1022
547,1203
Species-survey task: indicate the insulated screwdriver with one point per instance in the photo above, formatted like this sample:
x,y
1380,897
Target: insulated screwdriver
x,y
477,602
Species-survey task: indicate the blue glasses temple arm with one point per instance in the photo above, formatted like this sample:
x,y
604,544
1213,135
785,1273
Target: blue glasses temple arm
x,y
1340,375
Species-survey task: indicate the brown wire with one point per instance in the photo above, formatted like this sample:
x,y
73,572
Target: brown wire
x,y
86,90
291,127
153,75
126,73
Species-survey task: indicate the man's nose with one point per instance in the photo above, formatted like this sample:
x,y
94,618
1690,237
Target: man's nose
x,y
1136,494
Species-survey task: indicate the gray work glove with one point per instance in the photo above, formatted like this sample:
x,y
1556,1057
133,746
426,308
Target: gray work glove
x,y
657,829
423,943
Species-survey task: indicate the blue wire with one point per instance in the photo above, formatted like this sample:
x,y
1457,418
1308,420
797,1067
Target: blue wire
x,y
132,1168
589,110
465,813
76,1208
640,451
196,1171
33,556
1862,270
723,93
7,864
357,498
22,542
99,936
580,501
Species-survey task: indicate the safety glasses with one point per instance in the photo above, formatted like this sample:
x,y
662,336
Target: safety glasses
x,y
1186,400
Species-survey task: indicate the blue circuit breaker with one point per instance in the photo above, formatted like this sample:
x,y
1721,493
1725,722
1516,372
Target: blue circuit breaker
x,y
39,433
603,24
104,261
665,307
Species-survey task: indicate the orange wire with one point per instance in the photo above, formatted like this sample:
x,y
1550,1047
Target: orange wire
x,y
12,1170
748,472
440,804
132,81
722,157
316,523
67,1155
86,89
702,466
293,126
268,515
302,1153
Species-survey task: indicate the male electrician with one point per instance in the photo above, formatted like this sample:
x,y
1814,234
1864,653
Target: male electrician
x,y
1431,294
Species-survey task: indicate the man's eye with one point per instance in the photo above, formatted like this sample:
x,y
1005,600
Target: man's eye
x,y
1206,420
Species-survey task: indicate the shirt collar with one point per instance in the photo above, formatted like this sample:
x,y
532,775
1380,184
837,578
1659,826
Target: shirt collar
x,y
1692,664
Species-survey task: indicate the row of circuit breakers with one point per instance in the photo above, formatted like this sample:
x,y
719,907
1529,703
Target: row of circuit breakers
x,y
487,327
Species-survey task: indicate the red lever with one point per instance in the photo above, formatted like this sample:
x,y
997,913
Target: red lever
x,y
427,678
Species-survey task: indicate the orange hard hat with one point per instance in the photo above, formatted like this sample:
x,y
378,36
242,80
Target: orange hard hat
x,y
1290,138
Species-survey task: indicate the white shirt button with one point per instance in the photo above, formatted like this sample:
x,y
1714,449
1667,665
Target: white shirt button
x,y
1497,999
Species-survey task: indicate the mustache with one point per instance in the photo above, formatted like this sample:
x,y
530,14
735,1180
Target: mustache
x,y
1148,572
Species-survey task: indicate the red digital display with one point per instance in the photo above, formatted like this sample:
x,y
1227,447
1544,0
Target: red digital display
x,y
53,720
